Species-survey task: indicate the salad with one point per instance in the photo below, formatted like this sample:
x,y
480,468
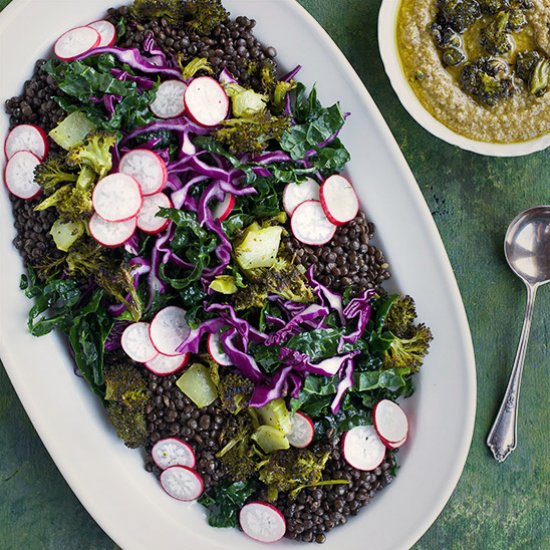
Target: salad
x,y
185,219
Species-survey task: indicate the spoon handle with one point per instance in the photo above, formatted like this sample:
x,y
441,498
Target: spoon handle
x,y
503,435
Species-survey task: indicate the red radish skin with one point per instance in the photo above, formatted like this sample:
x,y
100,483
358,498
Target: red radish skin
x,y
27,137
117,198
394,446
182,483
107,32
214,347
111,234
169,329
164,365
173,452
136,343
338,199
19,175
169,101
76,42
147,219
310,225
297,193
390,421
206,101
363,449
262,522
147,168
223,209
301,433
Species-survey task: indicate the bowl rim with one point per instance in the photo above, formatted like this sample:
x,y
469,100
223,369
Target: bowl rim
x,y
387,22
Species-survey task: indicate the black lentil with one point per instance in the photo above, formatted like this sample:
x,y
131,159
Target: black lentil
x,y
348,260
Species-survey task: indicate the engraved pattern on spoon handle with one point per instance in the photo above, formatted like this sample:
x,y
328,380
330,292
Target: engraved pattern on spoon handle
x,y
502,438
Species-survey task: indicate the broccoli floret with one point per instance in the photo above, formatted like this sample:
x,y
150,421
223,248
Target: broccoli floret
x,y
252,134
73,201
459,14
517,20
408,342
492,7
205,15
53,172
289,469
126,397
234,392
525,63
450,43
94,153
172,10
284,279
495,38
487,80
453,57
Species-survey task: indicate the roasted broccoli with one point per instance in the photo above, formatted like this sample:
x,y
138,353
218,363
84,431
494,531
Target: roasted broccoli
x,y
495,38
126,397
408,342
234,392
450,43
534,69
487,80
292,468
252,134
492,7
204,15
53,172
284,279
459,14
517,20
73,200
94,153
171,10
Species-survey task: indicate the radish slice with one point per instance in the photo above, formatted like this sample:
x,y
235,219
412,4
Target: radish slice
x,y
26,137
301,431
223,208
169,329
390,421
148,169
182,483
163,365
111,234
117,198
297,193
137,344
214,346
310,225
393,446
147,219
339,200
76,42
363,449
173,452
262,522
206,101
169,100
107,32
19,175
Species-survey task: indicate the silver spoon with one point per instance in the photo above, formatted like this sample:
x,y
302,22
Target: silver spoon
x,y
527,250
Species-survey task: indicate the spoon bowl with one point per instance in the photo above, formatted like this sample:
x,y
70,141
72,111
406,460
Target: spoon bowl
x,y
527,250
527,245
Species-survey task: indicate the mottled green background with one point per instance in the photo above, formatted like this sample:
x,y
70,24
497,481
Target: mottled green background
x,y
495,507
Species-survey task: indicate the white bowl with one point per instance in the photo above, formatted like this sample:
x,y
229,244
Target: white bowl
x,y
387,23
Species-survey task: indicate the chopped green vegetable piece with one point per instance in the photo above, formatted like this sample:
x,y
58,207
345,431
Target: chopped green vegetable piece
x,y
66,233
72,130
258,247
276,415
224,284
197,384
270,439
245,102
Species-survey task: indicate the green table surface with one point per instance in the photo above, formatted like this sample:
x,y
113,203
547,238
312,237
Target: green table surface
x,y
472,199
